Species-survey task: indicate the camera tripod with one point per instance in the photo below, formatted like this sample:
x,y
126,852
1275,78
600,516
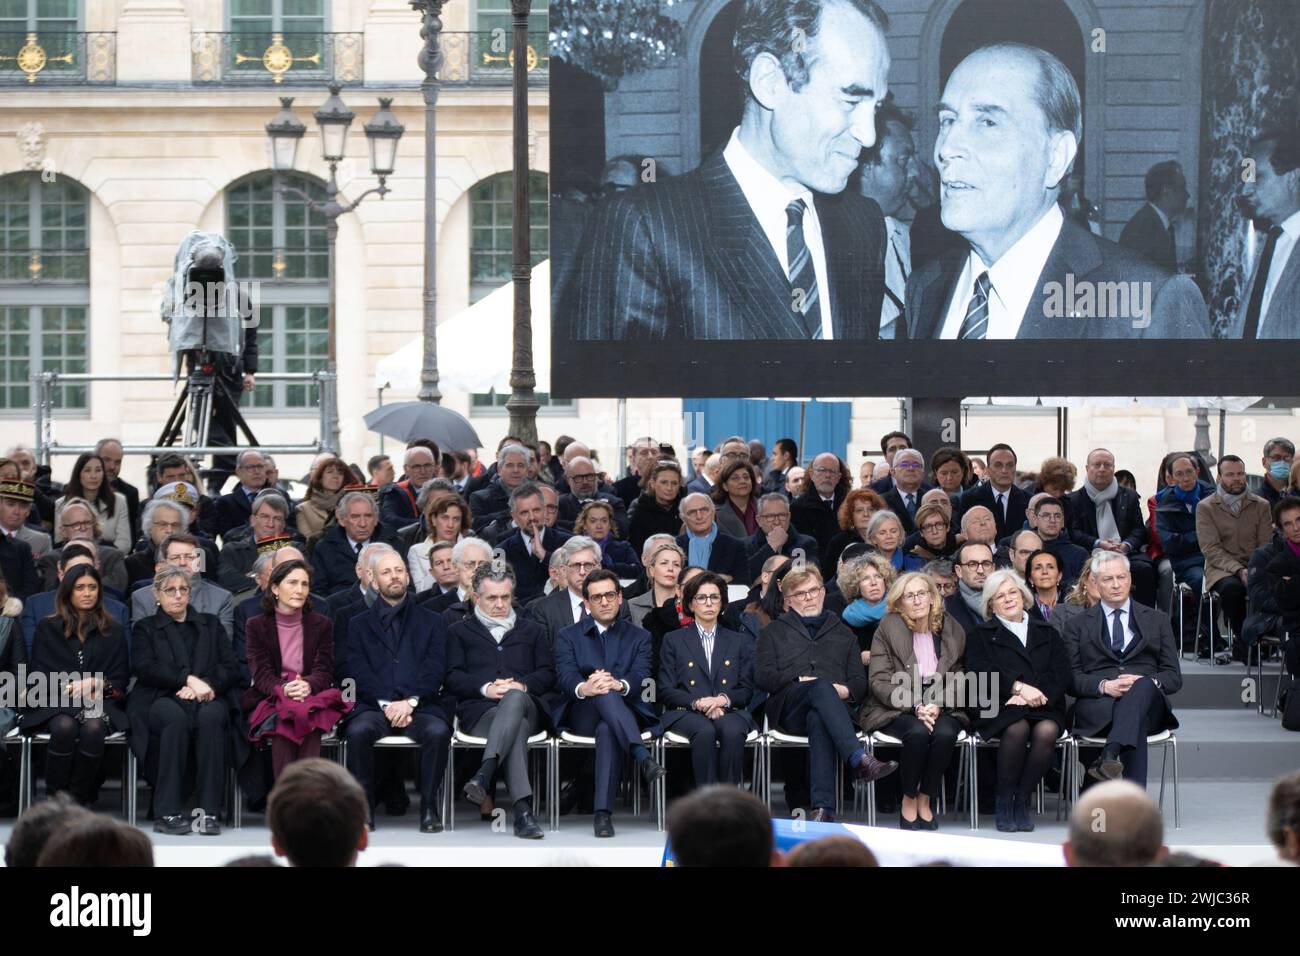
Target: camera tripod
x,y
190,421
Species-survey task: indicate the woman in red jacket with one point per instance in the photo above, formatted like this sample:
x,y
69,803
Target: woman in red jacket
x,y
291,658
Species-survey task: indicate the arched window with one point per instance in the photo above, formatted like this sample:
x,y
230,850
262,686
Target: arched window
x,y
44,286
282,245
491,210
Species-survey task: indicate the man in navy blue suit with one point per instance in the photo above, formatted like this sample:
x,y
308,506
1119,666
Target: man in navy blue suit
x,y
529,544
603,667
396,656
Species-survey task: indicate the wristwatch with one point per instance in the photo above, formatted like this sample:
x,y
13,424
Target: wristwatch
x,y
414,702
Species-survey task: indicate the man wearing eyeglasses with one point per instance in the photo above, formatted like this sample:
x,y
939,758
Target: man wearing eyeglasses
x,y
603,667
908,471
584,487
708,546
397,501
77,522
579,556
235,507
816,511
973,565
184,551
809,661
775,536
1049,520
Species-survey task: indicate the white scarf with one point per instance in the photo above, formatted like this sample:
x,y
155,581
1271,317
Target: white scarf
x,y
1233,502
498,627
1107,529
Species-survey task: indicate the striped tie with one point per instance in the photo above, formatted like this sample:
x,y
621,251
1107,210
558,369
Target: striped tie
x,y
804,295
976,323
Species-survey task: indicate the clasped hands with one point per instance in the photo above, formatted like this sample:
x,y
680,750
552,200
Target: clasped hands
x,y
1120,685
711,707
398,713
601,682
501,686
196,689
928,714
297,689
840,689
87,689
1027,696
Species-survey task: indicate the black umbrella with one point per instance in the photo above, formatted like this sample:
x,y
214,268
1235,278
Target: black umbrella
x,y
407,421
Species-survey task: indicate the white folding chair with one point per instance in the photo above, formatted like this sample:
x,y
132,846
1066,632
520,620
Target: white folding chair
x,y
1271,640
1165,740
442,792
538,742
568,740
26,774
975,743
780,740
880,739
673,741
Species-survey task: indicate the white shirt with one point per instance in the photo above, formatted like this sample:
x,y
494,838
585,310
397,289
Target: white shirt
x,y
577,689
706,639
1126,619
1164,220
1019,628
1281,254
575,602
1014,278
898,266
768,198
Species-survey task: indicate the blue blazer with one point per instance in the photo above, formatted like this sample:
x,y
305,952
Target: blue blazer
x,y
412,666
727,556
684,678
623,651
531,575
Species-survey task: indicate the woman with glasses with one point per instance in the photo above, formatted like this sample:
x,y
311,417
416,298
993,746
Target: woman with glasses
x,y
1023,672
655,512
885,534
933,539
854,517
79,654
1043,569
864,582
185,672
596,521
915,666
292,701
706,682
90,482
808,660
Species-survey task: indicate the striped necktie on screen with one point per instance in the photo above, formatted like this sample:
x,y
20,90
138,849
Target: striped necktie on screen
x,y
976,323
803,277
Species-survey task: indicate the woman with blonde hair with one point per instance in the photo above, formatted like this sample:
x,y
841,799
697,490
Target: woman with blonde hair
x,y
915,656
596,521
865,582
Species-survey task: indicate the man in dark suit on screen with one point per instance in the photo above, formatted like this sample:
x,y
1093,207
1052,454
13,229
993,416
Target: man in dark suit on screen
x,y
1124,664
1151,230
1010,124
762,241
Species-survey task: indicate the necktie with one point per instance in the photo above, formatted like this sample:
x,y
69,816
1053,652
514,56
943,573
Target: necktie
x,y
1173,245
803,277
1117,630
357,548
1002,506
911,505
976,323
1251,328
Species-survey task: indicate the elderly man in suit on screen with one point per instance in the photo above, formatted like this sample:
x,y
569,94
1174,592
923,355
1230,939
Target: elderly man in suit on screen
x,y
1010,124
762,241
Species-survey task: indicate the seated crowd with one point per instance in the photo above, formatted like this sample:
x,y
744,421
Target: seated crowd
x,y
886,624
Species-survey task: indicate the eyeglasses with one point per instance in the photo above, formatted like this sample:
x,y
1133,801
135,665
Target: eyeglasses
x,y
916,596
826,471
980,565
707,598
807,594
591,475
603,598
584,565
779,516
946,588
175,592
421,466
934,526
697,512
907,466
78,525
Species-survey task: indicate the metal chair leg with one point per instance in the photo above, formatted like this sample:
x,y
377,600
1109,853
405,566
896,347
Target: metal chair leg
x,y
1173,744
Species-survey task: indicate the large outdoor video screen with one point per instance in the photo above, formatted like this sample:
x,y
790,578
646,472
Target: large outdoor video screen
x,y
922,197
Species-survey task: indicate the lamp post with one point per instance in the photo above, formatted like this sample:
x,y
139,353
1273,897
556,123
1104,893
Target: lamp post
x,y
523,402
334,118
431,61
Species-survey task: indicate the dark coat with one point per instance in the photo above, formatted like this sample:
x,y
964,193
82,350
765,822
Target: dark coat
x,y
785,652
646,516
623,650
831,553
531,574
892,656
554,612
397,505
684,678
490,504
334,563
1127,508
959,611
758,551
19,567
102,654
475,659
1152,653
264,660
727,556
41,605
985,494
1072,557
628,489
1148,236
998,657
619,557
813,517
239,556
1176,526
413,665
898,505
571,507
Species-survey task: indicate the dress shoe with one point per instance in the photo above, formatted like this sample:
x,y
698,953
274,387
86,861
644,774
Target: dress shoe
x,y
430,822
569,797
1106,768
652,771
603,823
906,824
930,824
872,769
476,790
208,826
526,827
177,824
822,815
1020,813
1005,814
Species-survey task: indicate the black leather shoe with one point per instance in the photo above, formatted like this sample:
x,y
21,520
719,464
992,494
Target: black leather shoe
x,y
476,790
208,826
906,824
652,771
930,824
1005,813
873,769
1106,768
569,797
526,827
430,822
603,824
1020,813
175,825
